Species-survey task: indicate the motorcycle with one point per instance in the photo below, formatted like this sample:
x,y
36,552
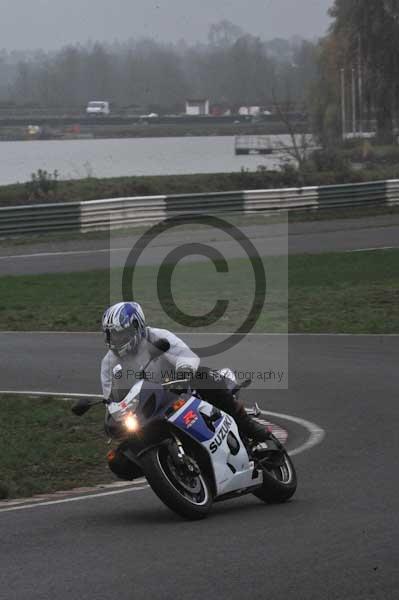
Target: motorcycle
x,y
191,453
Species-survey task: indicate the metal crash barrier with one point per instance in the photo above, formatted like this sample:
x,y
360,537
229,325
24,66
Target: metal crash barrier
x,y
125,212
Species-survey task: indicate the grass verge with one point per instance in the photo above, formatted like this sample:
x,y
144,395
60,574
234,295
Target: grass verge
x,y
329,293
45,189
46,448
93,188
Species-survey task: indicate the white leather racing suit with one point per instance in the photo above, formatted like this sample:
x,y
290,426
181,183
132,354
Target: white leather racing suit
x,y
121,373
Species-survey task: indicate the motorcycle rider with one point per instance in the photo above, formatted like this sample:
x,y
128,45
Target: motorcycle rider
x,y
129,341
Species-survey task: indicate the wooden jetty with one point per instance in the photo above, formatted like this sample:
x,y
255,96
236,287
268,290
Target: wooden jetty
x,y
252,144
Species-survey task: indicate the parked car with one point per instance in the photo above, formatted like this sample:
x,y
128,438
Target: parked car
x,y
98,107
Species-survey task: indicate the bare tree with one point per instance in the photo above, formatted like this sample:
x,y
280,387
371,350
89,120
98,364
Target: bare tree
x,y
301,143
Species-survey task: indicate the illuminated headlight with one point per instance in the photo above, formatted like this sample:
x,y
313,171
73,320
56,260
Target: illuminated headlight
x,y
131,423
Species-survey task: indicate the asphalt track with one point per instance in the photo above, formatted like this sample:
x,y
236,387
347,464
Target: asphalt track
x,y
344,235
337,539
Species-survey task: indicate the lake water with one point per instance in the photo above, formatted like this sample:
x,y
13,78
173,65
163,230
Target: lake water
x,y
74,159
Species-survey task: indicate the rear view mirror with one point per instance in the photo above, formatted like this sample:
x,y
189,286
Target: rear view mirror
x,y
81,407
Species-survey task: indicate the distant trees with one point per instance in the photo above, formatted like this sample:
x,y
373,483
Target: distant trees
x,y
240,73
224,34
364,36
370,31
232,69
324,100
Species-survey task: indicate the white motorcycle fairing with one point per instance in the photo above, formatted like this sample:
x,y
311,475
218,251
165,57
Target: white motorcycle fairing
x,y
217,431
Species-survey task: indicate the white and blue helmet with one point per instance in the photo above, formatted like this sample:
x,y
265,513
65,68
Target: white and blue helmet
x,y
124,327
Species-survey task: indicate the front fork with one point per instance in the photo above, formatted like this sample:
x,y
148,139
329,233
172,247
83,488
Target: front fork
x,y
180,459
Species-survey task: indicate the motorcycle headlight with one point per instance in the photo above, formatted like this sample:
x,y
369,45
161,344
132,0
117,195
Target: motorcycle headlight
x,y
131,423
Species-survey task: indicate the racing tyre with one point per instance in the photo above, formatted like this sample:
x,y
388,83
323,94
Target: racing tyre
x,y
279,482
187,494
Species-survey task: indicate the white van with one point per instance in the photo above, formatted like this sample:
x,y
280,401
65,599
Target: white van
x,y
98,107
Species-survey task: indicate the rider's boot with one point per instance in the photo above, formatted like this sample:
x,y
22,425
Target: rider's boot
x,y
249,427
214,390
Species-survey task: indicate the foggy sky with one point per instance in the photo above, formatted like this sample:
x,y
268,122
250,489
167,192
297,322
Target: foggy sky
x,y
50,24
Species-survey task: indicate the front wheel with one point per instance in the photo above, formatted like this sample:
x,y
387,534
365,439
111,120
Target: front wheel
x,y
279,482
186,492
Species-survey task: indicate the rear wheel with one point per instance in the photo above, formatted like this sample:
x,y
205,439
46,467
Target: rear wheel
x,y
182,487
279,481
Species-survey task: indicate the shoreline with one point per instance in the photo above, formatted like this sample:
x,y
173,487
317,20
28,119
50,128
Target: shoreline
x,y
44,132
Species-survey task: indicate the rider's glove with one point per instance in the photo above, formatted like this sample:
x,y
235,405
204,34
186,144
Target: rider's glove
x,y
184,375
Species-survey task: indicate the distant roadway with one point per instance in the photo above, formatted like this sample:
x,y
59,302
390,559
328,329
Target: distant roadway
x,y
304,237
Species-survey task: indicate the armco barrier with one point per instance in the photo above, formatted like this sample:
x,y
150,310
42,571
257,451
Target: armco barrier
x,y
352,195
122,212
283,199
392,191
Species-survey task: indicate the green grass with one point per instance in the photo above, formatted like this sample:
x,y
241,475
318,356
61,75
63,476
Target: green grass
x,y
345,293
59,302
338,293
44,447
